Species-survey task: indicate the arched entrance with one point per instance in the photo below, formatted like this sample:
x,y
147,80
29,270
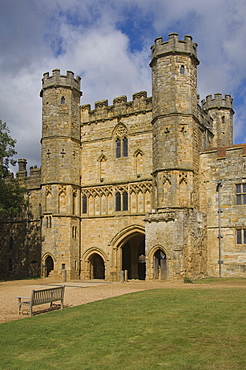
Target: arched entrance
x,y
97,267
49,265
160,265
133,256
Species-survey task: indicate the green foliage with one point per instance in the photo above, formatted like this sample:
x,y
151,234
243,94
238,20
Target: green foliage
x,y
11,190
11,198
188,280
7,149
163,328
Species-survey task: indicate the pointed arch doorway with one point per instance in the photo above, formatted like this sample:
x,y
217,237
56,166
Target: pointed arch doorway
x,y
133,256
97,267
160,265
49,265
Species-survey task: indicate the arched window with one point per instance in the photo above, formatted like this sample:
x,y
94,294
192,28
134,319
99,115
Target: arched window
x,y
182,70
117,201
84,204
118,148
125,201
125,147
62,100
223,119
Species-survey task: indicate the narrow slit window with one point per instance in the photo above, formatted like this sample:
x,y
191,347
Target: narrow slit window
x,y
125,147
118,148
117,201
125,201
84,204
182,70
62,100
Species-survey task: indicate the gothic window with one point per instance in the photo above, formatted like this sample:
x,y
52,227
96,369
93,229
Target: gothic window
x,y
241,236
182,70
121,201
240,194
118,201
125,147
125,201
84,204
118,148
121,141
62,100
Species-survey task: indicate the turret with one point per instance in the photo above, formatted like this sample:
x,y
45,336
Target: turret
x,y
175,130
221,111
22,172
61,153
61,127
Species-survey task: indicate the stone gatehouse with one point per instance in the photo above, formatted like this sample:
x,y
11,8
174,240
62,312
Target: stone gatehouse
x,y
153,186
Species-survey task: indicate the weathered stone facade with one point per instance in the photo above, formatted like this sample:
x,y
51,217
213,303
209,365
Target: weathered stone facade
x,y
134,185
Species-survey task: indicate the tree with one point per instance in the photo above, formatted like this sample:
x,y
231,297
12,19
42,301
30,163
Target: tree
x,y
11,190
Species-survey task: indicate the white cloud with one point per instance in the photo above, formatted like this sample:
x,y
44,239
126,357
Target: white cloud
x,y
107,43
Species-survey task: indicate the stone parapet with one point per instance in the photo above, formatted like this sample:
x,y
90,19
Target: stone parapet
x,y
174,46
217,102
121,107
58,80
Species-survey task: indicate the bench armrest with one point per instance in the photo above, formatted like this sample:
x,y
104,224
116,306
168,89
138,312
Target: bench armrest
x,y
23,297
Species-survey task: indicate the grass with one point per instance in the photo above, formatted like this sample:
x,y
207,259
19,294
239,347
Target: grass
x,y
222,281
157,329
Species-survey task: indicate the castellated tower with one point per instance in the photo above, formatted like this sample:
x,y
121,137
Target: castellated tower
x,y
60,171
176,145
174,84
221,111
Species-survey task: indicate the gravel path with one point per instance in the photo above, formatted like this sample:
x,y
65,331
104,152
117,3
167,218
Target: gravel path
x,y
76,292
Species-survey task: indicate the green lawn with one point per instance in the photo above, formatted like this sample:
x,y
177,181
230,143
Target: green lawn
x,y
167,328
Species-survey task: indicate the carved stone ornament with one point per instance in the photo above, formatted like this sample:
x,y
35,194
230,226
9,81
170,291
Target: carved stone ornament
x,y
62,189
166,178
121,130
160,217
48,190
183,178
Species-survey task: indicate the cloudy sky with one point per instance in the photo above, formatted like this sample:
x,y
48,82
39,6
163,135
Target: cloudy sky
x,y
107,43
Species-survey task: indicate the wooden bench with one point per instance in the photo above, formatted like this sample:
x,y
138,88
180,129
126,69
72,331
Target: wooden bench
x,y
39,297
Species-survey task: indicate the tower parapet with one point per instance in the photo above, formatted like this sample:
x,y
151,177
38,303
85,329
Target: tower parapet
x,y
58,80
174,46
217,102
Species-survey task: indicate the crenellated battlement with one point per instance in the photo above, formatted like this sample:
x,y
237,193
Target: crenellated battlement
x,y
217,102
140,104
174,46
56,79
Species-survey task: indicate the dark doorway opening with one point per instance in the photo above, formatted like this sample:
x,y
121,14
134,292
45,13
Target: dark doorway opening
x,y
160,265
133,257
49,264
97,267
